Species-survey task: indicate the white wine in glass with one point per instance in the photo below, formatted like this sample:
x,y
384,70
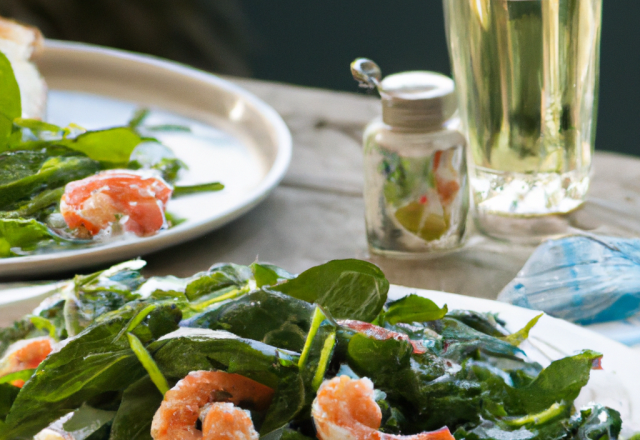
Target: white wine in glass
x,y
527,74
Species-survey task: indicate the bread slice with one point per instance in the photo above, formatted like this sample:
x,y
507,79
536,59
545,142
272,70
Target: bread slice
x,y
21,44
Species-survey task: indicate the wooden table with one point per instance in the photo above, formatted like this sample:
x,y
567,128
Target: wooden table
x,y
317,213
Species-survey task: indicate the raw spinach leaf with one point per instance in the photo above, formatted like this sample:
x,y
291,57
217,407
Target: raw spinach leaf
x,y
482,322
290,434
347,289
35,206
559,382
268,275
21,234
139,404
8,394
425,385
51,173
10,104
413,308
522,335
24,375
87,421
209,285
597,422
460,341
91,364
29,134
111,146
270,317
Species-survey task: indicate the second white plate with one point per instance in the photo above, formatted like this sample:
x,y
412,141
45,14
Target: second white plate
x,y
236,139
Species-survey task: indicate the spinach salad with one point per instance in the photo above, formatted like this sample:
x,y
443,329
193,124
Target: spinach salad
x,y
38,160
121,341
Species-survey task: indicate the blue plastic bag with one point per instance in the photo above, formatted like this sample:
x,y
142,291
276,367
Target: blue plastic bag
x,y
583,279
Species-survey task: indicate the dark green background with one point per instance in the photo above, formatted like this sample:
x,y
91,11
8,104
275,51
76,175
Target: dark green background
x,y
312,43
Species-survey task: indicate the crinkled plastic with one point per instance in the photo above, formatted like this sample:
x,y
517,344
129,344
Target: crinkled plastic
x,y
583,279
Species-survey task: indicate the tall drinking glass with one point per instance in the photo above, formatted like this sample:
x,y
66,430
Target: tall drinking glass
x,y
527,74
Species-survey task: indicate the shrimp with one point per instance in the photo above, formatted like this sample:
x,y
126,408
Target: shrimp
x,y
345,409
93,204
25,355
213,396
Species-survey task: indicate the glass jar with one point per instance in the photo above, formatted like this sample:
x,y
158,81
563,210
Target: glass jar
x,y
415,189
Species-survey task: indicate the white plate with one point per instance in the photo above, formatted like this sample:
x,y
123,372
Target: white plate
x,y
241,141
616,386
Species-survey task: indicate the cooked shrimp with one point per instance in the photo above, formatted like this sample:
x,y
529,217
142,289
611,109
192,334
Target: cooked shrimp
x,y
199,394
345,409
93,204
24,355
225,421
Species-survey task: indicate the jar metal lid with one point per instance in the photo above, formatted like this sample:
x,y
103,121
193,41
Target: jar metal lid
x,y
417,99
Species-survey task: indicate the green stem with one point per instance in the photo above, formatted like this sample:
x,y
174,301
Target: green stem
x,y
148,363
323,363
552,412
199,307
318,317
192,189
136,320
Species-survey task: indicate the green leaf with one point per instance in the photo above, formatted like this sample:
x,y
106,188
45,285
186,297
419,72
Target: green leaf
x,y
269,275
522,335
113,146
483,322
138,118
264,275
287,403
148,363
8,394
597,423
460,341
559,382
22,234
38,172
290,434
89,365
164,320
18,375
220,276
44,324
86,421
10,104
423,384
270,317
414,308
38,203
139,404
36,125
347,289
179,191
